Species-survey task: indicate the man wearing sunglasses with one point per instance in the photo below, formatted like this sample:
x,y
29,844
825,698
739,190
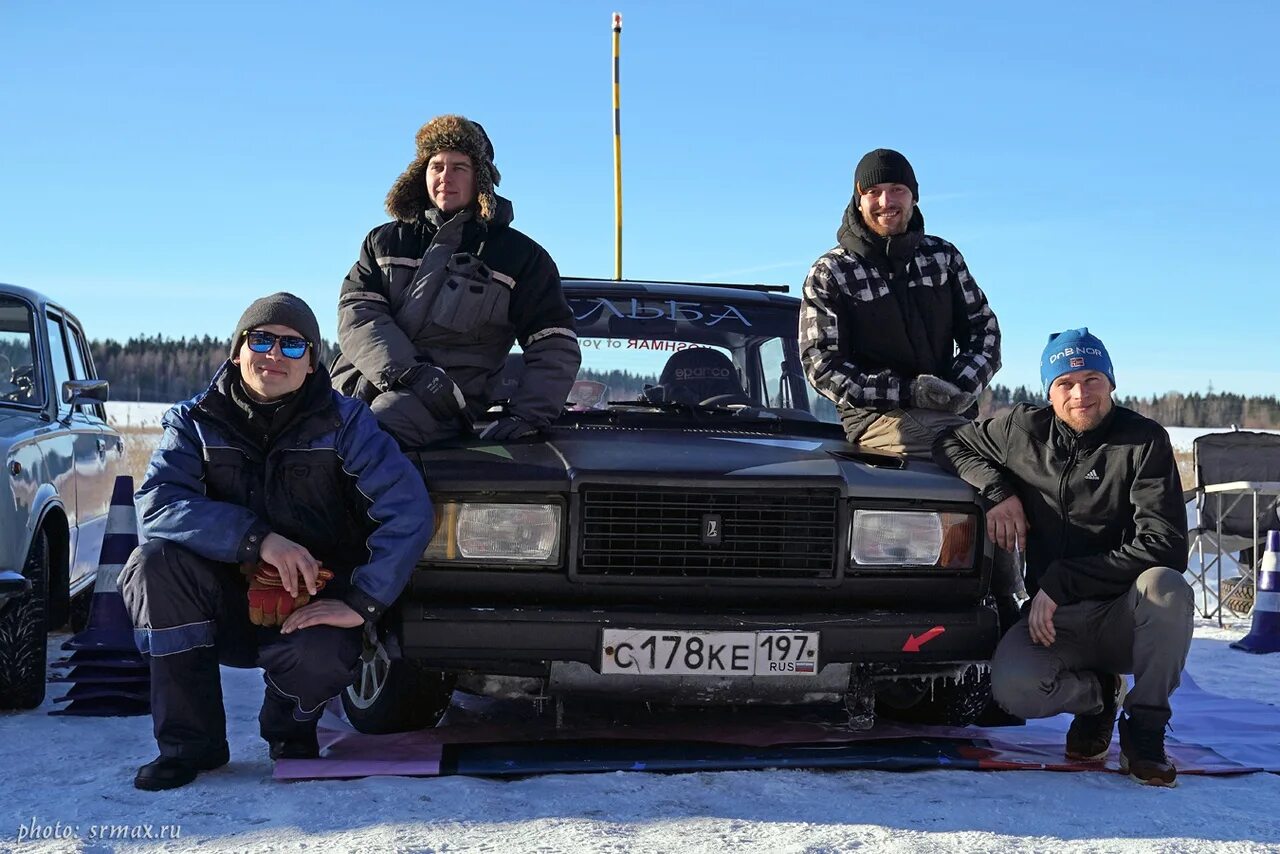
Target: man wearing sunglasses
x,y
430,311
281,520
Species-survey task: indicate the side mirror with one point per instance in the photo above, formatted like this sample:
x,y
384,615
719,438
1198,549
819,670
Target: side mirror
x,y
85,391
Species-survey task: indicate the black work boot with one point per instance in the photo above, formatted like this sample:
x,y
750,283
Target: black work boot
x,y
300,746
188,717
1089,737
286,736
170,772
1142,754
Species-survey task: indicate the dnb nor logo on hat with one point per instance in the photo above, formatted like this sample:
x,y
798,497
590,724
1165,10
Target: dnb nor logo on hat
x,y
1074,350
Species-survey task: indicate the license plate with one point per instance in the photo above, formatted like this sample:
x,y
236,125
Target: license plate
x,y
650,652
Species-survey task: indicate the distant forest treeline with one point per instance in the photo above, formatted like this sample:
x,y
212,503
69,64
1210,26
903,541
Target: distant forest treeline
x,y
163,369
1172,409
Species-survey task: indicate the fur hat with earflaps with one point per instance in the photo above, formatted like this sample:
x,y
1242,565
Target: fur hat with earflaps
x,y
408,197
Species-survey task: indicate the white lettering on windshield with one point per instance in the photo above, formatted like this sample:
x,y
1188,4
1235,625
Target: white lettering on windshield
x,y
669,346
634,309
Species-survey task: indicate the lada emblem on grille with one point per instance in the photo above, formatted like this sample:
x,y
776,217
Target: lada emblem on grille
x,y
712,532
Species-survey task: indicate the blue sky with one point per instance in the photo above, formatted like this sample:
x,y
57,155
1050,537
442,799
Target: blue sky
x,y
1110,165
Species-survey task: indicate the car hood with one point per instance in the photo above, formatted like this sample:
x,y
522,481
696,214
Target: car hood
x,y
570,457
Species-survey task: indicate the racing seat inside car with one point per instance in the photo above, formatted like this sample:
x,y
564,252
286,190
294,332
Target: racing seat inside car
x,y
696,375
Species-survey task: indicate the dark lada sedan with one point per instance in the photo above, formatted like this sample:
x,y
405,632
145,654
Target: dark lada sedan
x,y
694,528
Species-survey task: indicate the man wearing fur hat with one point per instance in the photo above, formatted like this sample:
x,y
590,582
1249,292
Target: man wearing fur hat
x,y
280,519
429,312
893,329
1091,493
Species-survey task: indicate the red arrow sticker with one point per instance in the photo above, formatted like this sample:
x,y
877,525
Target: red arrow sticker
x,y
914,643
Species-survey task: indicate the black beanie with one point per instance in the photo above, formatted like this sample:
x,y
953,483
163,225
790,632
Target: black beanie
x,y
286,310
884,166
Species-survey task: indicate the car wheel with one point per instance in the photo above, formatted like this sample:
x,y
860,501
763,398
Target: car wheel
x,y
395,695
940,702
24,634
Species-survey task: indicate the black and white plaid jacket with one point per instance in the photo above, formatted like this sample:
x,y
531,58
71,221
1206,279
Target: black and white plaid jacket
x,y
866,330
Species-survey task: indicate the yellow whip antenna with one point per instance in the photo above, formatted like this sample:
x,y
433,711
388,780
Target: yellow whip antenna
x,y
617,150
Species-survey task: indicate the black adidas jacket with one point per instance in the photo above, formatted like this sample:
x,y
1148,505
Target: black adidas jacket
x,y
1102,506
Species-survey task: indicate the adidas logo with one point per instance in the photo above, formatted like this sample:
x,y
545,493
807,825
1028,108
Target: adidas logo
x,y
1092,475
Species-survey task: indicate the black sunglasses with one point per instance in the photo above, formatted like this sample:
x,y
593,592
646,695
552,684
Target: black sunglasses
x,y
291,346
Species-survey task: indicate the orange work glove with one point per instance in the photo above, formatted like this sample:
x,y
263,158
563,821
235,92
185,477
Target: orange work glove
x,y
269,602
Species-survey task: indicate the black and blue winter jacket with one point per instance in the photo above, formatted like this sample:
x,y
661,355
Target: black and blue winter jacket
x,y
329,478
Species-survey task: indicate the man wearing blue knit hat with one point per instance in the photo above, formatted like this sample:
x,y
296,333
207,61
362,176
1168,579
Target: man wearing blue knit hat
x,y
1090,492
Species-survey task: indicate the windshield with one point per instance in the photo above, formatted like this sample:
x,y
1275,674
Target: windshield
x,y
18,381
712,352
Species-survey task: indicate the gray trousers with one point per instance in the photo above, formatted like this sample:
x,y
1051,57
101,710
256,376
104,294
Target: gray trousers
x,y
1146,632
403,416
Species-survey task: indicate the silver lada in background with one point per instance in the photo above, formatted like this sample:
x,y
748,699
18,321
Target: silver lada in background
x,y
60,460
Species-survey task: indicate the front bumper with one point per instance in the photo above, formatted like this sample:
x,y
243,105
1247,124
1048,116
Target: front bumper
x,y
524,641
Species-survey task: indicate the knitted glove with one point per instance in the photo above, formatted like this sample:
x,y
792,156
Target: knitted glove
x,y
507,429
439,394
269,602
930,392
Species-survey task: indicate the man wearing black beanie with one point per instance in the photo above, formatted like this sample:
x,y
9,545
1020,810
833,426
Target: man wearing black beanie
x,y
281,520
893,329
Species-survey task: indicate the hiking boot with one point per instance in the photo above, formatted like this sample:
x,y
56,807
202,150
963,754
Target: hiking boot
x,y
303,746
1142,754
285,735
1089,737
170,772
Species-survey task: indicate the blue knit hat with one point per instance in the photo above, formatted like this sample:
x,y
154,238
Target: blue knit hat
x,y
1074,350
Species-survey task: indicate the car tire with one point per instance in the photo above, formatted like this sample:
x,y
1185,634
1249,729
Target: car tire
x,y
1240,598
939,702
24,633
395,695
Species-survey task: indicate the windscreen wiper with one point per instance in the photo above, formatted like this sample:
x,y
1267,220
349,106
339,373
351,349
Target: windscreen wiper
x,y
665,406
741,410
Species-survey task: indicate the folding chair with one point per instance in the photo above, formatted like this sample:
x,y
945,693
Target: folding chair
x,y
1237,496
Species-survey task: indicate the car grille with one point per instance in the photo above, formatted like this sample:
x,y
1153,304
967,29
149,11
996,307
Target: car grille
x,y
658,532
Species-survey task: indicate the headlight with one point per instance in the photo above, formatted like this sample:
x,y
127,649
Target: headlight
x,y
496,533
913,538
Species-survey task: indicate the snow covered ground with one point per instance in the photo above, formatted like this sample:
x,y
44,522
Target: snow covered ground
x,y
130,414
78,772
